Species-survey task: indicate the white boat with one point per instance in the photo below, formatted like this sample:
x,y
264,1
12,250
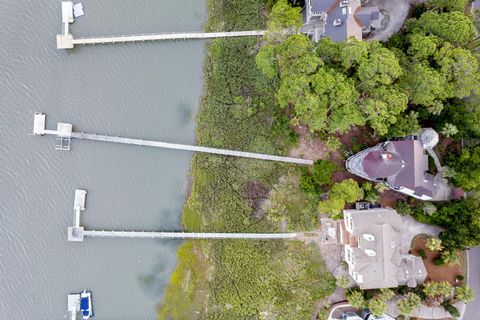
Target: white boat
x,y
86,307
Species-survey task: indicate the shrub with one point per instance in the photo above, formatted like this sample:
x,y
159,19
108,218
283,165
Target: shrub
x,y
343,282
323,171
450,257
452,310
460,277
403,208
422,254
438,262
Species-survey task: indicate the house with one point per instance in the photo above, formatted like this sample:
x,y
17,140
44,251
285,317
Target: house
x,y
374,251
339,19
402,164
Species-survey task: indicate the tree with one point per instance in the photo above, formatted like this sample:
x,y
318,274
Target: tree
x,y
425,84
449,130
460,69
422,47
377,306
354,52
356,298
296,57
370,193
265,60
386,294
405,125
347,190
450,257
465,293
408,303
434,244
453,27
380,68
467,169
384,107
442,288
284,16
333,207
333,143
403,208
323,171
447,5
341,98
461,221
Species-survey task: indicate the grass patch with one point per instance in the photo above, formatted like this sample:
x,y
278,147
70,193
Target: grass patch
x,y
241,279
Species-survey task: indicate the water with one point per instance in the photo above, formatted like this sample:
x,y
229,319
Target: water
x,y
144,90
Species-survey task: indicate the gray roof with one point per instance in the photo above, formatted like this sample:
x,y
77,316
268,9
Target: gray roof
x,y
323,5
348,27
349,18
391,265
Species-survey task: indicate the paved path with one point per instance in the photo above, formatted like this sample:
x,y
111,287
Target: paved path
x,y
473,308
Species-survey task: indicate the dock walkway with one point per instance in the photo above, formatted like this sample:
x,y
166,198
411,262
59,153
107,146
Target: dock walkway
x,y
39,129
77,232
65,40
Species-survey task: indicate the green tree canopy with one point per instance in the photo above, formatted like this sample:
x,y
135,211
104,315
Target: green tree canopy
x,y
461,219
467,168
405,125
380,68
284,16
447,5
347,190
323,171
453,27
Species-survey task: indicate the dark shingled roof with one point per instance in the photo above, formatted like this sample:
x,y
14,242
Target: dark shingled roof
x,y
322,5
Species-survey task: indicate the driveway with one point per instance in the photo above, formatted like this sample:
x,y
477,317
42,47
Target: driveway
x,y
473,308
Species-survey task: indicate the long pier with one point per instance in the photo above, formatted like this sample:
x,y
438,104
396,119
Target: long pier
x,y
77,232
67,41
64,133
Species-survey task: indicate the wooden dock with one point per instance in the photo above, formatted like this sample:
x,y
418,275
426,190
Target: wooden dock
x,y
77,232
39,130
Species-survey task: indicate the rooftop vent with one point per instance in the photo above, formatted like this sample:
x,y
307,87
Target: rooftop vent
x,y
337,22
368,237
344,3
387,156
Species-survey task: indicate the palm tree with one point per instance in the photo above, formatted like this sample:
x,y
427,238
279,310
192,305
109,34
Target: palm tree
x,y
408,303
449,130
434,244
356,298
450,257
465,293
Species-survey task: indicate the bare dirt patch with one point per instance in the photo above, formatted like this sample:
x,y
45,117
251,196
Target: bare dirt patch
x,y
256,194
309,145
434,272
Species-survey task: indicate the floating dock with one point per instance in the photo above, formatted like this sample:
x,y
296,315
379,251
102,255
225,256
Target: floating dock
x,y
77,232
73,305
64,133
67,41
